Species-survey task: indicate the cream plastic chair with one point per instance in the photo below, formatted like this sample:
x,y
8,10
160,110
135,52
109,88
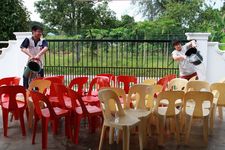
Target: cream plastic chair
x,y
122,96
177,84
117,119
218,89
168,112
197,111
41,86
150,99
139,109
150,81
197,86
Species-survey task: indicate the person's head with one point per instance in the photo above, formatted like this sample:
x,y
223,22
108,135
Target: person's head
x,y
177,45
37,31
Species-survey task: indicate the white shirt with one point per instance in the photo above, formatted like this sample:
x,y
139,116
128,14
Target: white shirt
x,y
185,67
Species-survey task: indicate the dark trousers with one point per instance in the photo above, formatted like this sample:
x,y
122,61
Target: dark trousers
x,y
26,80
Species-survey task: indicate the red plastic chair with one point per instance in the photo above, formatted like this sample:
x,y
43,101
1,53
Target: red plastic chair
x,y
46,114
83,111
52,95
9,81
164,81
92,96
13,105
126,80
110,76
79,82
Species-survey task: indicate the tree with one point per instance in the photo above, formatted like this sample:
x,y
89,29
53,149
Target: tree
x,y
75,16
14,17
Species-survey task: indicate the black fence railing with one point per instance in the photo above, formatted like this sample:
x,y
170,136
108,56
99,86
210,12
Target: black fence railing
x,y
142,58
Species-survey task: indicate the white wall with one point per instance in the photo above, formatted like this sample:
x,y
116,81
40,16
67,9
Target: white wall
x,y
216,63
12,60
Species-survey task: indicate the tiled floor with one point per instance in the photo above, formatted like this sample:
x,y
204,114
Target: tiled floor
x,y
15,140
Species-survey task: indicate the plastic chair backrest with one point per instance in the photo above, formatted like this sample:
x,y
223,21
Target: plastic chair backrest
x,y
121,93
39,85
76,97
55,79
105,96
9,81
141,92
100,81
150,81
177,84
39,98
219,88
12,92
79,82
197,86
150,100
61,91
126,80
110,76
171,97
164,80
199,97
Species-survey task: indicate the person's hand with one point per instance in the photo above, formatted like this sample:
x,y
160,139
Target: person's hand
x,y
31,57
193,43
37,57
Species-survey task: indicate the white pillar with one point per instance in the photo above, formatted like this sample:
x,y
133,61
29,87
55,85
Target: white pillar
x,y
202,46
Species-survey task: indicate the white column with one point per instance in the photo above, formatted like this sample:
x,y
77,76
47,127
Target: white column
x,y
202,46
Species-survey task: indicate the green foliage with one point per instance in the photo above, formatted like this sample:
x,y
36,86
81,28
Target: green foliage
x,y
14,18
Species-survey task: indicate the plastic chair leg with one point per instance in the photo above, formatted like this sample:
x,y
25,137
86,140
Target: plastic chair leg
x,y
111,135
5,121
177,129
34,130
76,130
102,137
55,125
205,129
188,129
220,109
140,136
22,123
31,114
44,123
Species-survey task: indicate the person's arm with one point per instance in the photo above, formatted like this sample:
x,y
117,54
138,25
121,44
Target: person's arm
x,y
179,58
24,48
43,51
191,44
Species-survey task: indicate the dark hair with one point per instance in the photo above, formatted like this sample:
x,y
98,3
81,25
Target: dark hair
x,y
176,42
35,28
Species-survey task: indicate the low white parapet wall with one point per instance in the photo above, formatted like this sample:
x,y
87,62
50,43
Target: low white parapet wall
x,y
12,60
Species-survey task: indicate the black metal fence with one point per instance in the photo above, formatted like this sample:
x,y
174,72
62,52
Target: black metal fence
x,y
141,58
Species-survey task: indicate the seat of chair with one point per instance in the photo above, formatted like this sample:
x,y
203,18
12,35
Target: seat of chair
x,y
20,104
59,112
90,99
90,109
162,111
190,110
122,121
138,113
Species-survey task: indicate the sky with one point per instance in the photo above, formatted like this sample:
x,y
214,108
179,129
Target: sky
x,y
121,7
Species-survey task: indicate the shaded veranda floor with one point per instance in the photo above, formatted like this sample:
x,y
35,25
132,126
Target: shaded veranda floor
x,y
88,141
